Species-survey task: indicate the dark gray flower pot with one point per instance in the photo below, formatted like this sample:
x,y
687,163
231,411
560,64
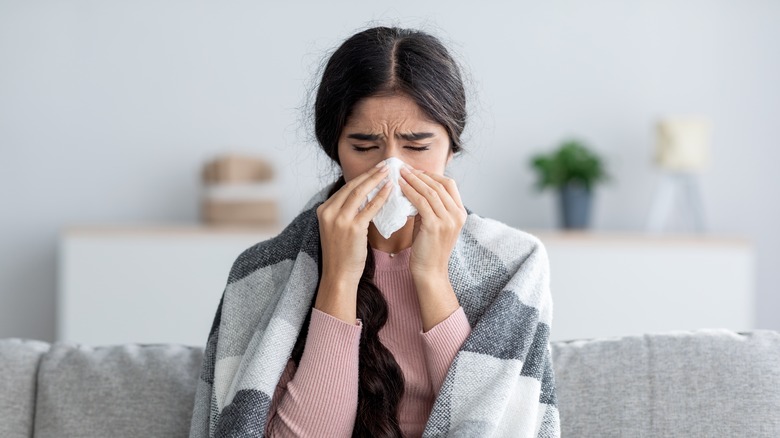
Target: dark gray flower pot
x,y
575,201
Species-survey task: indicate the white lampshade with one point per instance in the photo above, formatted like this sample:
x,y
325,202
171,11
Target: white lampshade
x,y
683,143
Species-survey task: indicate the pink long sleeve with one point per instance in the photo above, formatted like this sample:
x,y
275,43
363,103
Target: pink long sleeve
x,y
321,399
442,343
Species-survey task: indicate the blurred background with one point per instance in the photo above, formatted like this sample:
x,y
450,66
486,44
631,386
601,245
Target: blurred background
x,y
110,111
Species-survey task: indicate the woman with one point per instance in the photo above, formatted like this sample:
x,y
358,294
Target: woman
x,y
331,329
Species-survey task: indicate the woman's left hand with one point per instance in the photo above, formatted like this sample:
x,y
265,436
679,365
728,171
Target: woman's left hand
x,y
441,216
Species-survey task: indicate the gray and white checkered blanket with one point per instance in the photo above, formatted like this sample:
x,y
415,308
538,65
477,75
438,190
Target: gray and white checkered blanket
x,y
500,384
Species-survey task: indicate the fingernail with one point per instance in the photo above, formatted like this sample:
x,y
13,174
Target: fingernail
x,y
381,164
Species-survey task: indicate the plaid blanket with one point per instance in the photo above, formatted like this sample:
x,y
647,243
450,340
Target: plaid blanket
x,y
500,384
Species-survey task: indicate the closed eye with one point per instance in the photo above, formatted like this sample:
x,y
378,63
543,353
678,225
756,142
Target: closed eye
x,y
364,149
418,149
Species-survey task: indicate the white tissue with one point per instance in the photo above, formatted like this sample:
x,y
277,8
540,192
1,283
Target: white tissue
x,y
393,215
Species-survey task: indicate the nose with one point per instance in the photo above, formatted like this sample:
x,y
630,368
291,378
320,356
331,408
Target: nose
x,y
391,150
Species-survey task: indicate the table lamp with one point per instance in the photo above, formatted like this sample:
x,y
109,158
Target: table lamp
x,y
682,151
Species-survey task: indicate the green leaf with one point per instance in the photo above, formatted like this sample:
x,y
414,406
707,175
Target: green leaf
x,y
573,162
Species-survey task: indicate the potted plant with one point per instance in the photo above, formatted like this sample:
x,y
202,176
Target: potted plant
x,y
573,170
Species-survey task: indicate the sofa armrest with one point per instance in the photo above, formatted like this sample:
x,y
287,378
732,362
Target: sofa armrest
x,y
19,360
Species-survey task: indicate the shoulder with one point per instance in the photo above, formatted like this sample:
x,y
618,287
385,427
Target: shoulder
x,y
508,243
497,265
300,236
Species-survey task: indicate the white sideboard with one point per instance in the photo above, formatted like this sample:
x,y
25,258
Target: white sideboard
x,y
163,284
617,284
145,284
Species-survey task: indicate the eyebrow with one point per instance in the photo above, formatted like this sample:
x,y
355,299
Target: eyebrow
x,y
408,137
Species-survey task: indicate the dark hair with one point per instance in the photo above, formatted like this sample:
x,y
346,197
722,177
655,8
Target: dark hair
x,y
382,61
386,60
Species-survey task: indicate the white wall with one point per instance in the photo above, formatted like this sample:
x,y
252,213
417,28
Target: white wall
x,y
108,109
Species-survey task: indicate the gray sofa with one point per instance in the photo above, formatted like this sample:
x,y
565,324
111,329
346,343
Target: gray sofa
x,y
707,383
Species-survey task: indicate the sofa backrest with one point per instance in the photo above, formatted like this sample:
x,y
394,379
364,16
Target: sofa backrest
x,y
706,383
116,391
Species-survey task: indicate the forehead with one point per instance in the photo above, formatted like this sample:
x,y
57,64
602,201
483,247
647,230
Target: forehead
x,y
394,111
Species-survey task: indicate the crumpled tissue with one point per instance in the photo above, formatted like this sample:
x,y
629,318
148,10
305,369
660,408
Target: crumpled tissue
x,y
394,213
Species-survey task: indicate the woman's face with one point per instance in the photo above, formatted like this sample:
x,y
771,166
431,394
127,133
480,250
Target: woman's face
x,y
381,127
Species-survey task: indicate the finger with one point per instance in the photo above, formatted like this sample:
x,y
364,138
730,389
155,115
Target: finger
x,y
359,194
416,198
430,193
373,206
444,195
451,186
372,176
334,205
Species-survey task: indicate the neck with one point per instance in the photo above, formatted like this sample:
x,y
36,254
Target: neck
x,y
397,242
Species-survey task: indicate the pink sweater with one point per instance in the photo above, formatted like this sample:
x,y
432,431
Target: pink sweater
x,y
320,397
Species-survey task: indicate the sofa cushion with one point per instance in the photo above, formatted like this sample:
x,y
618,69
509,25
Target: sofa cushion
x,y
128,390
19,360
714,383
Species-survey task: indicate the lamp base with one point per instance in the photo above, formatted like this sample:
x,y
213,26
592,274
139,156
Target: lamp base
x,y
671,183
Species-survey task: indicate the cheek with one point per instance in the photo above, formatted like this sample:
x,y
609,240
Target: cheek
x,y
352,166
348,176
429,163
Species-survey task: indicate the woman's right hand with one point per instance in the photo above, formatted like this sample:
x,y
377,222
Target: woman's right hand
x,y
344,239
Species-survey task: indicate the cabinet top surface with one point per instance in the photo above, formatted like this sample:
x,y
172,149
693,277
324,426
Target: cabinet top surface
x,y
163,230
548,236
638,237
